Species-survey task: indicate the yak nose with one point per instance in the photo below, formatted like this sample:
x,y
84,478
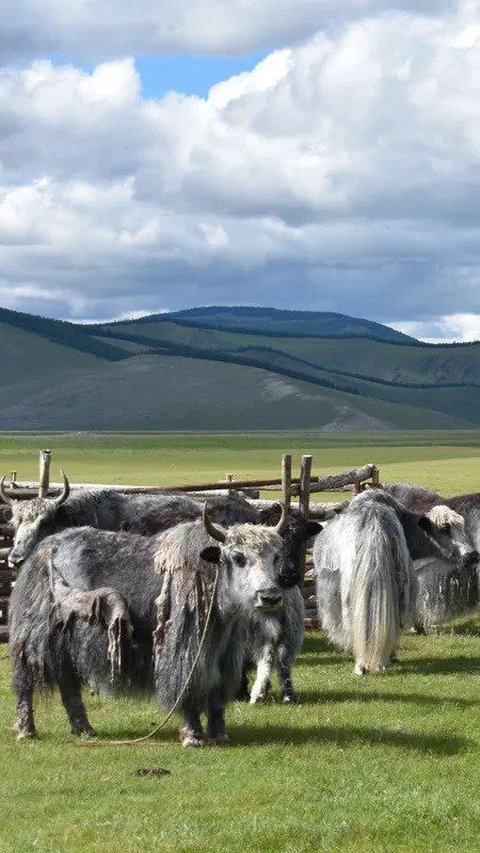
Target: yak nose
x,y
270,599
13,561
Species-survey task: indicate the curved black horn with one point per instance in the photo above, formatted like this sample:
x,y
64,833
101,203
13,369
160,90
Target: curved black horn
x,y
62,497
280,526
3,495
216,531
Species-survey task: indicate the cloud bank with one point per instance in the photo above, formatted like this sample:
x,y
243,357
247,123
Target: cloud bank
x,y
341,173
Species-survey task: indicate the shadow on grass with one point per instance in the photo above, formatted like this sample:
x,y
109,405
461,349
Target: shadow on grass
x,y
244,735
429,666
317,697
342,735
319,645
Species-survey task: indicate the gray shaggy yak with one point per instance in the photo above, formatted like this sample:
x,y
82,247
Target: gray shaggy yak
x,y
421,500
446,587
107,509
124,613
366,586
275,639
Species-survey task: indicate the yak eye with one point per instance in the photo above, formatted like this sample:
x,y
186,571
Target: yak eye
x,y
238,558
445,528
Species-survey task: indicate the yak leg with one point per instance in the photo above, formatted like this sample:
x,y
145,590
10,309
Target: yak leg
x,y
70,691
23,684
284,669
216,719
243,694
191,731
264,672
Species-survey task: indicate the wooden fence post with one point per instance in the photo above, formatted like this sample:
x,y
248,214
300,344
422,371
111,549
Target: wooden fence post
x,y
44,472
304,505
305,474
286,479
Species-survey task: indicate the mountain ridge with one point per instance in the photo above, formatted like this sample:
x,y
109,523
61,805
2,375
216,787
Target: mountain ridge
x,y
320,381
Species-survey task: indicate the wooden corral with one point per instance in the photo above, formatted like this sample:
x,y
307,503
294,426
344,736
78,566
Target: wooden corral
x,y
300,488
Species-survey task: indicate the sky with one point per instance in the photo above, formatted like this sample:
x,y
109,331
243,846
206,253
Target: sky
x,y
322,154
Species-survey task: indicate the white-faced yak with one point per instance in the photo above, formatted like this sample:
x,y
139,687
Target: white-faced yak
x,y
120,612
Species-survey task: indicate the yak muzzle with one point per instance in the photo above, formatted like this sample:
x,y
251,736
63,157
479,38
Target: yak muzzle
x,y
269,600
13,561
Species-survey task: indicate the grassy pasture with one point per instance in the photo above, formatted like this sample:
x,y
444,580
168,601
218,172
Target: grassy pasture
x,y
377,764
448,461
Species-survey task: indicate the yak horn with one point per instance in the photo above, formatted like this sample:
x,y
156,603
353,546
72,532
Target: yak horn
x,y
3,495
280,527
216,531
62,497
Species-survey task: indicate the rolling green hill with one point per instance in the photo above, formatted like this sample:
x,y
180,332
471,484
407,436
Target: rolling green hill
x,y
182,371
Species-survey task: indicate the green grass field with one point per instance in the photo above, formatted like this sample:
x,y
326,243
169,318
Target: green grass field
x,y
385,763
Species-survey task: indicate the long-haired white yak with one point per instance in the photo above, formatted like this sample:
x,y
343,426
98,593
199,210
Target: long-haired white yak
x,y
366,585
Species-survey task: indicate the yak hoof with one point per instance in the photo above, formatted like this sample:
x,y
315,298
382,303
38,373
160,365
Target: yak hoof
x,y
190,737
193,741
290,699
26,734
221,739
257,698
85,733
360,669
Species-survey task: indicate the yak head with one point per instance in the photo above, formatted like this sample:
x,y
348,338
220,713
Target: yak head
x,y
31,521
451,534
250,558
439,534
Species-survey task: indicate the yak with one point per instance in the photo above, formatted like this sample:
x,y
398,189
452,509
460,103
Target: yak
x,y
366,585
275,639
107,509
446,588
120,612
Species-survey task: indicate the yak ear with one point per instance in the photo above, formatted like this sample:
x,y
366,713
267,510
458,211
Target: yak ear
x,y
6,514
426,524
313,527
211,554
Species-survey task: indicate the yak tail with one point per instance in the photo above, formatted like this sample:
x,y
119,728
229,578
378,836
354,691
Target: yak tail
x,y
374,596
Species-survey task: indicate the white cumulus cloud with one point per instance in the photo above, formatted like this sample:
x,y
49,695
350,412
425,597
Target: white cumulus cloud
x,y
341,173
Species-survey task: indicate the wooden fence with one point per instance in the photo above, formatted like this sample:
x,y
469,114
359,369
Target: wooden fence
x,y
300,488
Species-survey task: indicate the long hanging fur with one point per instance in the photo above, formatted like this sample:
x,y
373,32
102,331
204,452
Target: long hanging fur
x,y
365,582
374,600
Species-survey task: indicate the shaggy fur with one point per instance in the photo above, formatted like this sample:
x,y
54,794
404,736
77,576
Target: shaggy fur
x,y
366,587
90,608
365,583
445,590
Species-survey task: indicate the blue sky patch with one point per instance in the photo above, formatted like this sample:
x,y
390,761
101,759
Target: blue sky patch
x,y
191,75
